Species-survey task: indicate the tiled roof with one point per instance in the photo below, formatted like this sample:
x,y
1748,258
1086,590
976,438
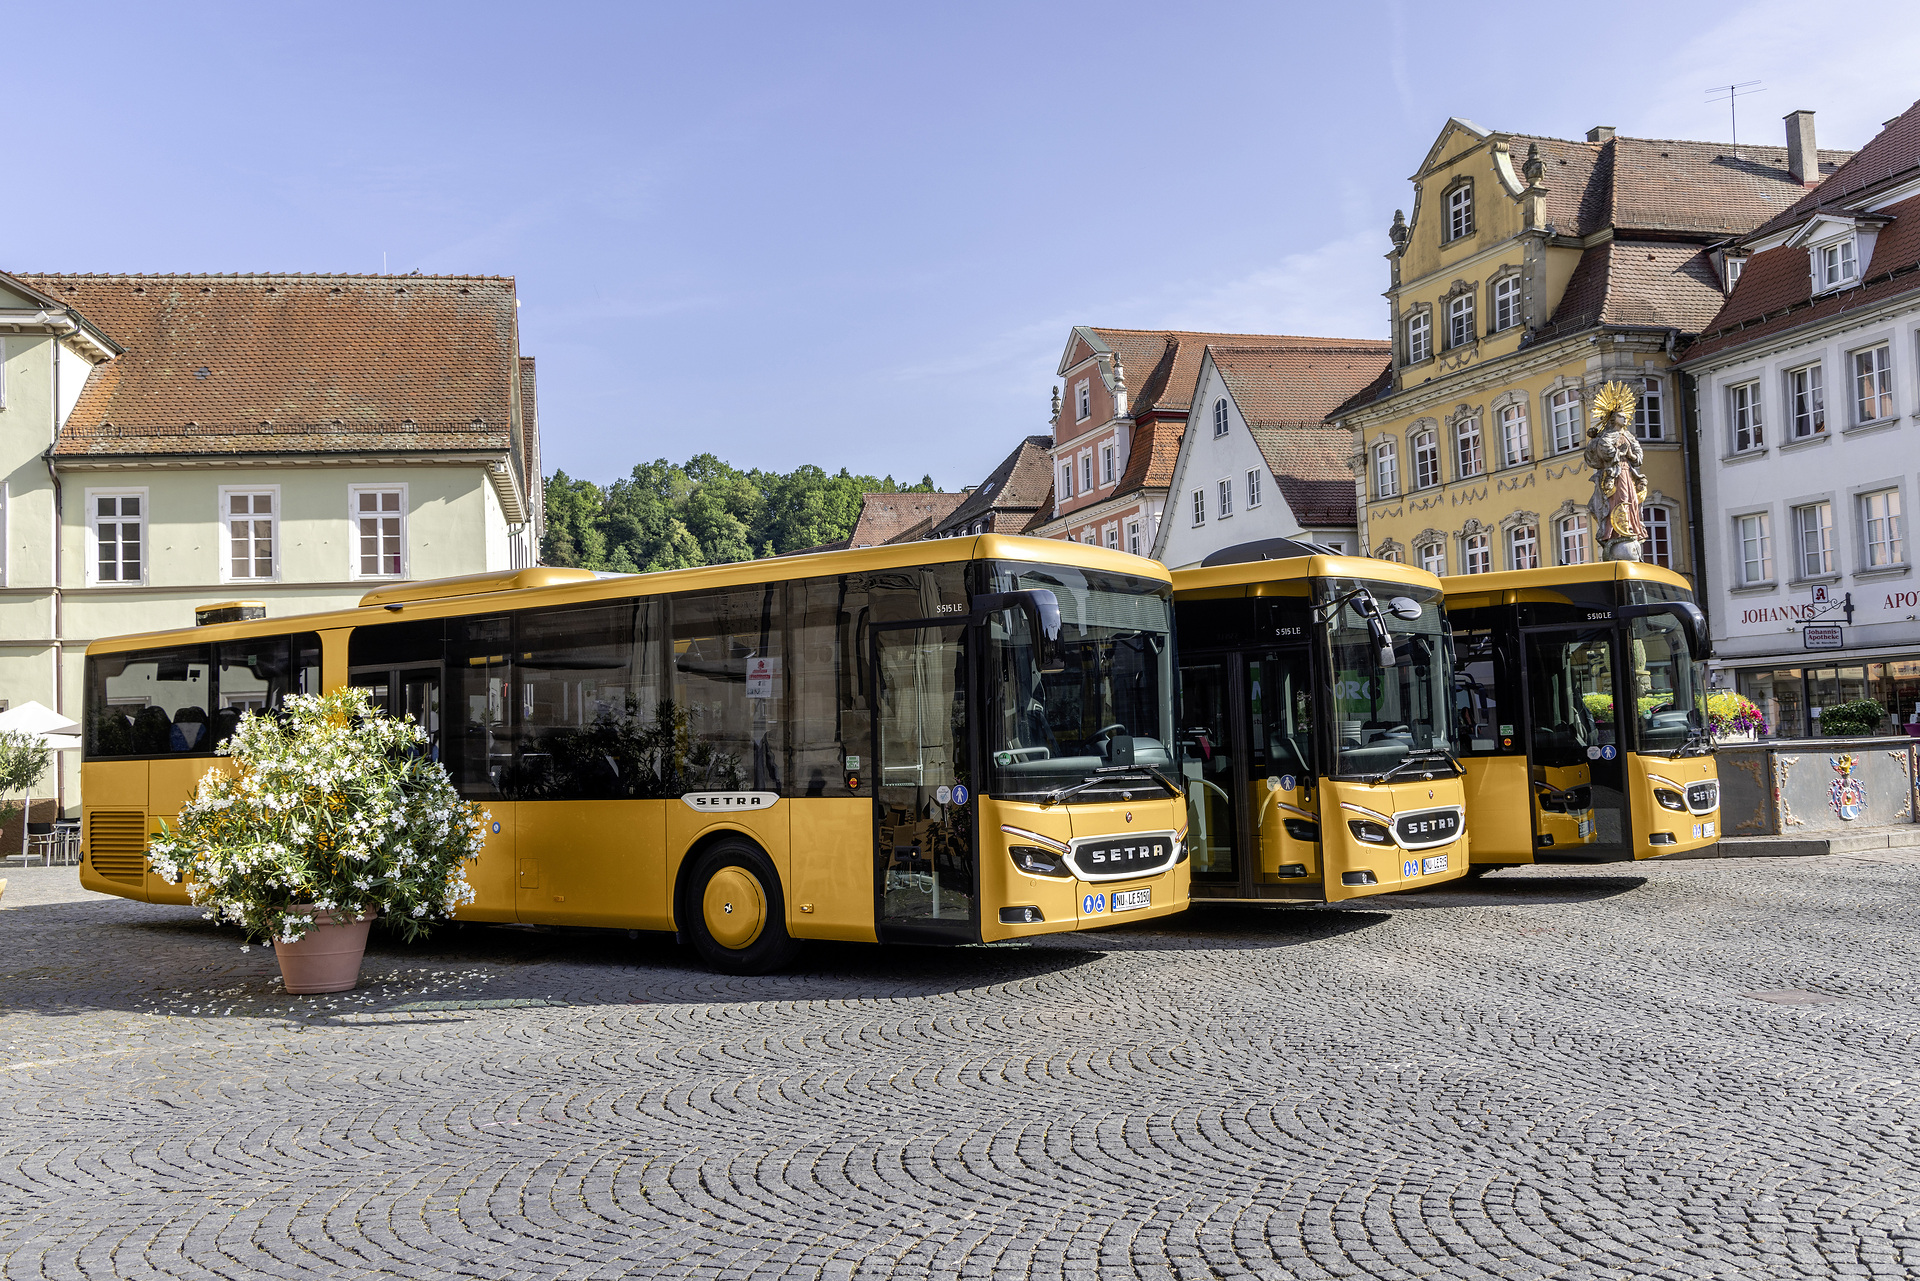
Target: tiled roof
x,y
1162,365
884,516
1020,483
1156,447
530,442
1624,282
1310,466
294,363
1775,292
1893,151
1296,385
1040,517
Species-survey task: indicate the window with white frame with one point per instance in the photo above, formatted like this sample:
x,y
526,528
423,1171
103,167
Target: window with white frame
x,y
1650,411
1253,488
1743,411
1573,539
1659,523
1755,542
1106,464
1083,400
120,535
1837,264
1419,337
1563,419
1880,515
1506,302
1460,211
1734,266
1433,557
1477,553
1086,472
1220,417
250,518
1087,536
1199,506
1469,452
1113,537
1523,547
1226,498
1133,537
1393,554
1066,480
1426,458
1386,470
1516,442
1807,401
1460,321
1872,384
1813,530
380,526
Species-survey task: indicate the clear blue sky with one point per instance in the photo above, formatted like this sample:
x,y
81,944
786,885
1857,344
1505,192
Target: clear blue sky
x,y
854,235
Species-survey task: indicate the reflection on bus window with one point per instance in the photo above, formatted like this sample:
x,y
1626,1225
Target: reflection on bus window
x,y
1668,684
1384,714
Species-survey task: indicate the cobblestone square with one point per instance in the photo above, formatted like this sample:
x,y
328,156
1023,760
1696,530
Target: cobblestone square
x,y
1695,1069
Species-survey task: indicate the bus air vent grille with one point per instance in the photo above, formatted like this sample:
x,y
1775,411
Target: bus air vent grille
x,y
117,844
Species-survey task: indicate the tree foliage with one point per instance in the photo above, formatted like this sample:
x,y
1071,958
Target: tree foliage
x,y
23,760
702,512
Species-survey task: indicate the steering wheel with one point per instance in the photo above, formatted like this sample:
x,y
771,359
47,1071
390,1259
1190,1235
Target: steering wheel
x,y
1110,729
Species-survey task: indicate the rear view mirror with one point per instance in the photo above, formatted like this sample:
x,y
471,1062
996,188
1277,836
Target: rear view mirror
x,y
1404,608
1042,609
1692,621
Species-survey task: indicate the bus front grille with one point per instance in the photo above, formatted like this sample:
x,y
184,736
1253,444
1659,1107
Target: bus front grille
x,y
117,844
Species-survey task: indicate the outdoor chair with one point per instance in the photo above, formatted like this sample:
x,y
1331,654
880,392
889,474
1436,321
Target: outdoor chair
x,y
42,841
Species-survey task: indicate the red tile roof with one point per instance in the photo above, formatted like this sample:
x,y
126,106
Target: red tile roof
x,y
883,517
1892,152
1775,292
295,363
1162,365
1661,285
1310,466
1020,484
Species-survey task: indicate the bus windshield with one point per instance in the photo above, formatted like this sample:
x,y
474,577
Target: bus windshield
x,y
1669,686
1106,705
1384,716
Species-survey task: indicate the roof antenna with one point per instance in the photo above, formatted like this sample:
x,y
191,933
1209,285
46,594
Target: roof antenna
x,y
1732,93
383,262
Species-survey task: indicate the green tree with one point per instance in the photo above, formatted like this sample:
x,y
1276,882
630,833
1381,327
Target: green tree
x,y
23,762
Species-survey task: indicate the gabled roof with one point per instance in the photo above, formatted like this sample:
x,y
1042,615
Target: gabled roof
x,y
1310,466
295,364
1162,364
1020,483
1150,460
883,517
1893,151
1657,284
1775,292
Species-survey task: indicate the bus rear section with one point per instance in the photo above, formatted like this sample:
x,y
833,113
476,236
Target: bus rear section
x,y
1315,734
877,745
1582,714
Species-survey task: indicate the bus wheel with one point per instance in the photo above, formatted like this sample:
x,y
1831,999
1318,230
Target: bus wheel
x,y
737,915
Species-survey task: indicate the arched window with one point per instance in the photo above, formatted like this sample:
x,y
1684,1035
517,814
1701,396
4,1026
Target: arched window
x,y
1433,557
1523,547
1659,522
1469,455
1563,413
1516,442
1460,211
1419,337
1649,412
1386,470
1220,417
1477,552
1426,458
1573,539
1506,302
1460,320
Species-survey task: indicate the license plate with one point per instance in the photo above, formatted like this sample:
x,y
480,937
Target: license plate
x,y
1428,866
1128,900
1703,831
1586,828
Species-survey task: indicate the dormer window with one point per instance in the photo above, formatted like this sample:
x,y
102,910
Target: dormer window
x,y
1734,267
1837,264
1460,211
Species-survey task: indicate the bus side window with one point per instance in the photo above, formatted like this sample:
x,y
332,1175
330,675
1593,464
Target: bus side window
x,y
828,721
478,706
152,703
587,725
728,674
256,675
1476,692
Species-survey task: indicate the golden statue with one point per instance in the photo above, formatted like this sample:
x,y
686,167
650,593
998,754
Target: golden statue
x,y
1619,486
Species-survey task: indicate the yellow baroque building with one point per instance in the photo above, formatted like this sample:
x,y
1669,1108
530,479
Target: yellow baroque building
x,y
1532,271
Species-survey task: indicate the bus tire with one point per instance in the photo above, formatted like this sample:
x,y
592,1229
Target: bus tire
x,y
736,914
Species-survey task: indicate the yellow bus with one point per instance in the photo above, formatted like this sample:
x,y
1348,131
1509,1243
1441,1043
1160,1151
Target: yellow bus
x,y
1548,660
943,742
1316,734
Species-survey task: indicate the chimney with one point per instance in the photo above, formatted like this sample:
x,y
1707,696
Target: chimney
x,y
1600,133
1803,162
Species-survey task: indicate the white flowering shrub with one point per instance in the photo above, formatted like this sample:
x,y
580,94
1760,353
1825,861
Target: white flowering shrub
x,y
331,807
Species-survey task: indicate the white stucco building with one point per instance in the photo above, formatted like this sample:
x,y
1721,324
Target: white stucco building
x,y
1808,388
1257,459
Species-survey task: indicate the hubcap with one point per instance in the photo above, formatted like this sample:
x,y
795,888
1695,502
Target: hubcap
x,y
735,907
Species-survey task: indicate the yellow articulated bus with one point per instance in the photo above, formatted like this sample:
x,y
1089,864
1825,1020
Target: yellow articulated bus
x,y
1316,726
1549,659
943,742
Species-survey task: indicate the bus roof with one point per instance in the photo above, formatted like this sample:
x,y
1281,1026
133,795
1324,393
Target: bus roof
x,y
1549,576
554,585
1213,578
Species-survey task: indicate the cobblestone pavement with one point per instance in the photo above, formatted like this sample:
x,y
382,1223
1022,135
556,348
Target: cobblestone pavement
x,y
1678,1070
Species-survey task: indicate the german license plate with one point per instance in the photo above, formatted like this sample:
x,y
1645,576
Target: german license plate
x,y
1428,866
1128,900
1703,831
1586,828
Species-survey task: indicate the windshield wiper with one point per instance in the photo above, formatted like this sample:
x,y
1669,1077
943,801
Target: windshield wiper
x,y
1428,755
1108,774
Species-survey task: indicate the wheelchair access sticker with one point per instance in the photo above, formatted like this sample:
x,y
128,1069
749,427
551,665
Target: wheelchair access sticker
x,y
1093,904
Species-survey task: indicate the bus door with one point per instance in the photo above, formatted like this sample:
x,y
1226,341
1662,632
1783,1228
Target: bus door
x,y
925,883
1576,759
1246,753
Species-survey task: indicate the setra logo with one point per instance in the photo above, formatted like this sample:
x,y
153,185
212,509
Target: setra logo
x,y
720,802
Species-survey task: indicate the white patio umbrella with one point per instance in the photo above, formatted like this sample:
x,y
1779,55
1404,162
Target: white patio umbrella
x,y
55,732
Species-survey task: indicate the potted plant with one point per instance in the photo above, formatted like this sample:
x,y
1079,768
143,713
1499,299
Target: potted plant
x,y
1847,720
1734,718
330,816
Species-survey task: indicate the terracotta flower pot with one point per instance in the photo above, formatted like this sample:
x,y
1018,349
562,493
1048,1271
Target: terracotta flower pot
x,y
328,958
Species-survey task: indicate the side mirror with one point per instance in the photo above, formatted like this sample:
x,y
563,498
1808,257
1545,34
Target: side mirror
x,y
1404,608
1042,609
1377,628
1692,621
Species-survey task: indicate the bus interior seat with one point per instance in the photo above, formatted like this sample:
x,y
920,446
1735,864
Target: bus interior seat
x,y
225,722
188,730
152,731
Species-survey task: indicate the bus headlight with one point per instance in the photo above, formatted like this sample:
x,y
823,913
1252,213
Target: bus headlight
x,y
1669,800
1370,832
1179,847
1035,861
